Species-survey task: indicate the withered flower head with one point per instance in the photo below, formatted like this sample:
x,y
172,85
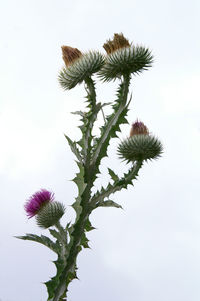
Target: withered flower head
x,y
119,41
138,128
70,54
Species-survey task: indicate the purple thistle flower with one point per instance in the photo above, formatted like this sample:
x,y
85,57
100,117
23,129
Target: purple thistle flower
x,y
37,201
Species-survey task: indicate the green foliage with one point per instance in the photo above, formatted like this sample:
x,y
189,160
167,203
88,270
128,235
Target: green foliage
x,y
112,124
108,203
74,148
89,152
88,226
119,183
140,147
79,180
44,240
113,175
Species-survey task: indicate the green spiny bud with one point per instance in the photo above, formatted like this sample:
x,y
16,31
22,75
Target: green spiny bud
x,y
50,214
80,68
139,148
124,58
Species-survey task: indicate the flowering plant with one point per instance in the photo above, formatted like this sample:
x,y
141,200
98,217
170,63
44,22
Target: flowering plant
x,y
123,60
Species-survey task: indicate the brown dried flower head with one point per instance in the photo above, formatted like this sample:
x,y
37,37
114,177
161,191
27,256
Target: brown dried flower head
x,y
138,128
119,41
70,54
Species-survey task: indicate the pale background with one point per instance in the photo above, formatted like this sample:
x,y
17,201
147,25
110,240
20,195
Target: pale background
x,y
150,251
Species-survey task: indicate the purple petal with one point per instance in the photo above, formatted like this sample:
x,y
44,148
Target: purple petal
x,y
37,200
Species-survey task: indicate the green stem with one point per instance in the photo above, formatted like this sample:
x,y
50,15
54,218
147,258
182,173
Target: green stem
x,y
91,95
90,170
63,240
112,122
103,115
75,242
118,185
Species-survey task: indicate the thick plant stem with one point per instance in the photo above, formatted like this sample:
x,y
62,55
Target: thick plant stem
x,y
112,122
91,166
75,247
92,115
63,240
78,228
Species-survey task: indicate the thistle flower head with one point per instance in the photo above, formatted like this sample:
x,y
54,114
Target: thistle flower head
x,y
119,41
50,214
124,58
37,201
140,148
139,128
70,54
78,66
140,145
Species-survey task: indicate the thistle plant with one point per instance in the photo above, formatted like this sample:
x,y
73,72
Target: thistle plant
x,y
122,61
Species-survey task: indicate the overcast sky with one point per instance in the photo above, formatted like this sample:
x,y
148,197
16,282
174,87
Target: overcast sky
x,y
150,251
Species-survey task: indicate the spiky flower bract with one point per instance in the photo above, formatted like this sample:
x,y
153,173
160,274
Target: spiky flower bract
x,y
80,69
50,214
139,148
37,201
124,58
139,128
133,59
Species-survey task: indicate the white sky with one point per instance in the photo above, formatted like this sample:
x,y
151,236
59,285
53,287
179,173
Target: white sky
x,y
150,251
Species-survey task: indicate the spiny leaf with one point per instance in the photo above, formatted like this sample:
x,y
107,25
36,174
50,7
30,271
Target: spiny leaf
x,y
53,282
122,182
55,234
84,241
88,226
108,203
113,175
42,240
77,207
81,113
79,179
74,148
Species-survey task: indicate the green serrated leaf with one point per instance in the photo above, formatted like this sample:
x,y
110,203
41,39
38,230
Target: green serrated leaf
x,y
53,282
88,226
77,207
81,113
74,148
42,240
123,182
79,179
55,233
84,241
113,175
109,203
